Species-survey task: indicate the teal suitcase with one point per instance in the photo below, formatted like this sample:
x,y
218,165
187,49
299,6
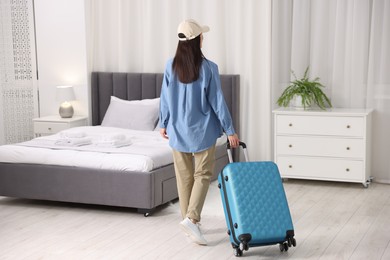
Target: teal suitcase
x,y
255,205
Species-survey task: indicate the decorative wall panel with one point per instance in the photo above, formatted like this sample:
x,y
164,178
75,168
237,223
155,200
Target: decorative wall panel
x,y
18,92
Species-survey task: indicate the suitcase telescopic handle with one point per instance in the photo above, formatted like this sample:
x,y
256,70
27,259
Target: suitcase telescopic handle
x,y
229,151
240,144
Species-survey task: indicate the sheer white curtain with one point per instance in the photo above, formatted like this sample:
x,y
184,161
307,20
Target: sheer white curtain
x,y
346,43
140,35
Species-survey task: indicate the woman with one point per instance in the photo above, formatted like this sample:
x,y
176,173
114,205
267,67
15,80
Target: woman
x,y
193,114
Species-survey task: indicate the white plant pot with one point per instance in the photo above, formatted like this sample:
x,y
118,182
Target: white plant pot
x,y
296,102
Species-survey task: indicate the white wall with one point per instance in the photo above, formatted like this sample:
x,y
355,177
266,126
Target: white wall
x,y
61,53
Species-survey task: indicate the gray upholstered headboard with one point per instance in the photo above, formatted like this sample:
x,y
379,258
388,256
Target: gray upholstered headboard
x,y
136,86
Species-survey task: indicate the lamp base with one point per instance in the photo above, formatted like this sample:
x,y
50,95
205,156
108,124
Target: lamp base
x,y
66,110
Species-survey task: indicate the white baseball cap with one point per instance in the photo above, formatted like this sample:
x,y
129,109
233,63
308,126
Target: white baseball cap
x,y
191,29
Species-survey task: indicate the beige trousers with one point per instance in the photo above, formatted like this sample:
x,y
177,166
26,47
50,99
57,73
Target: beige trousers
x,y
193,175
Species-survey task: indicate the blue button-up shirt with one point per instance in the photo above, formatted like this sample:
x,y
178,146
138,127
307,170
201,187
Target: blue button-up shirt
x,y
194,114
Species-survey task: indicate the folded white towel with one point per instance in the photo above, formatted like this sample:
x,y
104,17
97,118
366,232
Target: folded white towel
x,y
114,137
72,134
73,141
113,143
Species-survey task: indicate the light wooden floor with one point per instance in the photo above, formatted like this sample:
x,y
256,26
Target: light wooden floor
x,y
331,221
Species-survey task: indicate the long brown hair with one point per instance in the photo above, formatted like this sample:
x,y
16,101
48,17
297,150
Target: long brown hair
x,y
188,60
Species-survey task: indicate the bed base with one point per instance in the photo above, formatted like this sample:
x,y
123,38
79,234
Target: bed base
x,y
144,191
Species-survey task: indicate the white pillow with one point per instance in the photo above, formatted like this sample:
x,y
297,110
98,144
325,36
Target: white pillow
x,y
134,114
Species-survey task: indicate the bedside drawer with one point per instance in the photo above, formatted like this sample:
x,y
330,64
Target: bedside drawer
x,y
49,128
320,125
320,146
320,168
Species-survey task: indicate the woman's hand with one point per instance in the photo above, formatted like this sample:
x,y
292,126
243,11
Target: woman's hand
x,y
234,141
163,133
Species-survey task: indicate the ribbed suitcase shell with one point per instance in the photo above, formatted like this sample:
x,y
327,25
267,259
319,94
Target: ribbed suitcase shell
x,y
255,203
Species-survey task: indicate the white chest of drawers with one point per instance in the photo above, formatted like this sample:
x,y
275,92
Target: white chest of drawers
x,y
332,145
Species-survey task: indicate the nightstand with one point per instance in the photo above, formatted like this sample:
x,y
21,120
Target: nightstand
x,y
53,124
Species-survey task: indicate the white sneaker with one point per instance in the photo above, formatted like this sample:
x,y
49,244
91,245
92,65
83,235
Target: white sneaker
x,y
193,231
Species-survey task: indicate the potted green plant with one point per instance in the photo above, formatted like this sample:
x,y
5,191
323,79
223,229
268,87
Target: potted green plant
x,y
304,91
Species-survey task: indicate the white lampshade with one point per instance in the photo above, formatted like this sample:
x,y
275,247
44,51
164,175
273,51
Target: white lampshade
x,y
64,95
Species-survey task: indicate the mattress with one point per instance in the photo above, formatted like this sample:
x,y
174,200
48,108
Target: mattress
x,y
95,147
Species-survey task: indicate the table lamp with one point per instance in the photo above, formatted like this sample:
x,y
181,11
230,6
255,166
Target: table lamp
x,y
65,94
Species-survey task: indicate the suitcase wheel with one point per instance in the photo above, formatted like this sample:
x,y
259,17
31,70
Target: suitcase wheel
x,y
237,251
283,247
294,242
244,246
291,242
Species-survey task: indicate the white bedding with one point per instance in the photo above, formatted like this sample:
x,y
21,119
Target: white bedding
x,y
144,151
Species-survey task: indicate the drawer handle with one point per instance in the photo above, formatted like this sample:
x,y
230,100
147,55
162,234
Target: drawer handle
x,y
348,126
290,145
290,124
49,128
347,170
290,166
348,148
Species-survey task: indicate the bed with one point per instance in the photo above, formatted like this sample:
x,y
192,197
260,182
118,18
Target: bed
x,y
141,190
